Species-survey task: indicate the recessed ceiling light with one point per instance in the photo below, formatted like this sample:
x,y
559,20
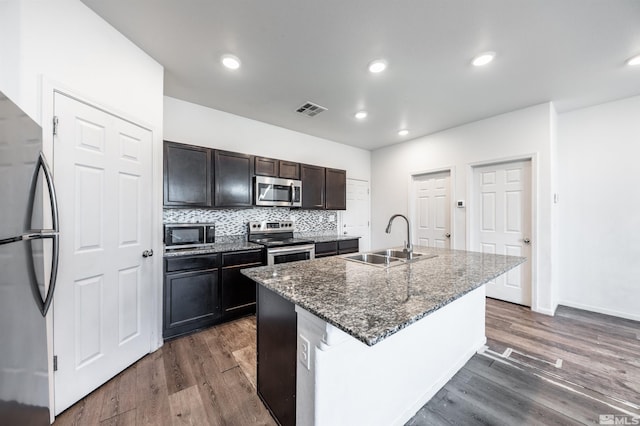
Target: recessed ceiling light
x,y
634,61
361,115
231,62
483,59
377,66
403,132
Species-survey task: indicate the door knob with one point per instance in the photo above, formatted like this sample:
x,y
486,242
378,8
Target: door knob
x,y
448,235
147,253
345,232
526,240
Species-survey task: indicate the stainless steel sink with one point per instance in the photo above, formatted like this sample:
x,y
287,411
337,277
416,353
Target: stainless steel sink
x,y
387,258
397,254
375,259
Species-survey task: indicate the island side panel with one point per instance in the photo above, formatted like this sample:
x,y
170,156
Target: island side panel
x,y
276,355
350,383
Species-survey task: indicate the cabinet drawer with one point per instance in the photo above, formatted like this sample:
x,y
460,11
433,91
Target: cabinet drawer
x,y
191,263
348,246
242,258
329,248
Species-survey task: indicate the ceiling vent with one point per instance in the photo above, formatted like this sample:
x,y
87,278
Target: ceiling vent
x,y
310,109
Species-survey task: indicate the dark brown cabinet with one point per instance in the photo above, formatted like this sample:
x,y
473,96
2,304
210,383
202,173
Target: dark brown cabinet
x,y
276,168
191,293
289,170
266,167
187,175
332,248
348,246
233,179
313,185
239,291
328,248
276,349
335,189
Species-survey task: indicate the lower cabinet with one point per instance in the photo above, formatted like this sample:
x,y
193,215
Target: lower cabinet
x,y
332,248
238,291
202,290
191,293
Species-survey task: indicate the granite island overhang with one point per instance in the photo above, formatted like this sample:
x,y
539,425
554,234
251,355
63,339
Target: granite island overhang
x,y
382,341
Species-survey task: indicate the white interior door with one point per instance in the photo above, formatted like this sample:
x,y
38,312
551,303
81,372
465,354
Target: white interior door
x,y
502,224
432,210
102,311
355,220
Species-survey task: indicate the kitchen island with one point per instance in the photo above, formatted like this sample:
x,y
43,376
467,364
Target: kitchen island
x,y
372,344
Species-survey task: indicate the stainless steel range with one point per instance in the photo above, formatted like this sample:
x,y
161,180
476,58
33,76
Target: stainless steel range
x,y
277,237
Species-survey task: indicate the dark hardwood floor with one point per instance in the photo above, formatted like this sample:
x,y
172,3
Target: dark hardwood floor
x,y
541,370
536,370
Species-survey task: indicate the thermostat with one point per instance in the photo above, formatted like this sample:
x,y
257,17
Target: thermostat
x,y
460,204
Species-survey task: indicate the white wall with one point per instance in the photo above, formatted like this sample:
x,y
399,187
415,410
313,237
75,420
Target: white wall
x,y
599,174
198,125
518,134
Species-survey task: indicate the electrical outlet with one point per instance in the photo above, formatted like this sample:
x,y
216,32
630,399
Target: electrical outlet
x,y
304,354
332,218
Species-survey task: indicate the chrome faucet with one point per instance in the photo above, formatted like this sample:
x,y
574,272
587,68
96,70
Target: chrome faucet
x,y
408,247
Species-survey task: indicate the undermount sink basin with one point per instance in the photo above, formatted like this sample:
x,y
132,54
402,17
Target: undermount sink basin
x,y
397,254
375,259
387,258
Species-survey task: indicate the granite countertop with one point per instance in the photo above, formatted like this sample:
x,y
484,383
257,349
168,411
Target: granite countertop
x,y
372,303
324,238
222,244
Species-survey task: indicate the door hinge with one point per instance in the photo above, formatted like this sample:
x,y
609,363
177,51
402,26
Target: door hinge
x,y
55,363
55,125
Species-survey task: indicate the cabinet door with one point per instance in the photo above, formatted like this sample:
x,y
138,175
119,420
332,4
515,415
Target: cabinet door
x,y
348,246
266,167
187,175
191,301
336,189
312,186
239,291
289,170
233,173
328,248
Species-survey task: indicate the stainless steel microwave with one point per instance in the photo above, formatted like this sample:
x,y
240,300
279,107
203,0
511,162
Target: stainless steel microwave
x,y
270,191
186,235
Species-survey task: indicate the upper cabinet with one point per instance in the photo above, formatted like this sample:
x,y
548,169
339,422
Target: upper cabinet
x,y
187,175
233,179
267,167
289,169
313,186
276,168
335,189
202,177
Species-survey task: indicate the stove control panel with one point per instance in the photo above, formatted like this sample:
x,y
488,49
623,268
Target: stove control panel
x,y
267,226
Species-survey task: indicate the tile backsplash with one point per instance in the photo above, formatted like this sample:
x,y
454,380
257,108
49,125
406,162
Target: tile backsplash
x,y
234,221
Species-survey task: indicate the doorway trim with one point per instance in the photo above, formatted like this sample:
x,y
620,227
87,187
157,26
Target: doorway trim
x,y
452,184
472,210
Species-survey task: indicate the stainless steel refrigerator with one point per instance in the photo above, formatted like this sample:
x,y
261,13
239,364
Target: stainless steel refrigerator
x,y
28,260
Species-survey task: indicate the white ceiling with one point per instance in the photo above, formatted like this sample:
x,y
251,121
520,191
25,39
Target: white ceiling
x,y
571,52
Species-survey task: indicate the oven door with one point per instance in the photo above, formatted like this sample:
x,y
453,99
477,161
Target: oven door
x,y
276,192
290,254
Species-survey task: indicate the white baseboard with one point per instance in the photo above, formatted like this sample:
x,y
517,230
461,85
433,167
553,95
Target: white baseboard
x,y
600,310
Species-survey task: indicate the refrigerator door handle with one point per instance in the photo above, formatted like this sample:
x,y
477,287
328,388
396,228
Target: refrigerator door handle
x,y
44,305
